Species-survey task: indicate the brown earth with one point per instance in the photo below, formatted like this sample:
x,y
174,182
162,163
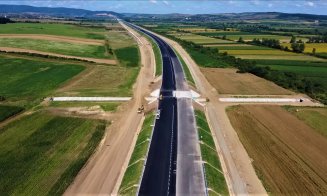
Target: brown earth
x,y
227,81
95,60
288,155
55,38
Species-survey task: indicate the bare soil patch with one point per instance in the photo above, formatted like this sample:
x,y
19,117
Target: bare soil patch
x,y
288,155
55,38
227,81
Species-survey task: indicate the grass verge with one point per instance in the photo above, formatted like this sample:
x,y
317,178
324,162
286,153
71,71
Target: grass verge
x,y
7,111
186,70
105,106
214,175
40,154
128,56
133,173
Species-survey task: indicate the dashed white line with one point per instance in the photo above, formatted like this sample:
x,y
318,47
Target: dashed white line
x,y
171,148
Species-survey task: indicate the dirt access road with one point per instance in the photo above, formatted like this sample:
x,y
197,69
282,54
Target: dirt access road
x,y
239,172
105,167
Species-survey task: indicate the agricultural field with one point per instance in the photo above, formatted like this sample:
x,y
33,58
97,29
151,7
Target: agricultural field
x,y
40,154
26,81
7,111
199,39
228,81
102,80
315,117
65,48
135,166
53,29
283,145
316,71
320,47
214,174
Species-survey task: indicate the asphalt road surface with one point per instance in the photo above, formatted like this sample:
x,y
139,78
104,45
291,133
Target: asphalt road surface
x,y
174,165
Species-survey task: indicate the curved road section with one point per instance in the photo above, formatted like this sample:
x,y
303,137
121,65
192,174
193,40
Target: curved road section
x,y
174,165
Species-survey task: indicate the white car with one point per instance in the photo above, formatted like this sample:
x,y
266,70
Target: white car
x,y
158,114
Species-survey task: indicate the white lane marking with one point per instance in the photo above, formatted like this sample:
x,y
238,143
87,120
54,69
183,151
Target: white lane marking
x,y
262,100
171,147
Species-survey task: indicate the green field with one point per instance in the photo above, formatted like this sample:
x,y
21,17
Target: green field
x,y
316,71
7,111
104,80
315,117
30,79
128,56
53,29
65,48
41,154
213,171
134,170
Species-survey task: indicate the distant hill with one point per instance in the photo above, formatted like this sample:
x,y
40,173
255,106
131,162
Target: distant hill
x,y
77,13
48,11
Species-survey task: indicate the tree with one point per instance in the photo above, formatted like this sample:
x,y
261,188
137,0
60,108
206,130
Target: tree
x,y
224,36
293,39
240,40
298,47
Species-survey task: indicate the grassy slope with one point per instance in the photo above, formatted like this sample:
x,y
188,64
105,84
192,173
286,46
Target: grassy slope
x,y
214,176
133,173
157,55
7,111
72,49
315,117
28,79
53,29
40,152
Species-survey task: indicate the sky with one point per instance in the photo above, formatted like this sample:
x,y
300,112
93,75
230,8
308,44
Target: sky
x,y
187,7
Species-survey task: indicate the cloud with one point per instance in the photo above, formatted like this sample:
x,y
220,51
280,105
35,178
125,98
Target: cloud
x,y
153,1
165,2
310,3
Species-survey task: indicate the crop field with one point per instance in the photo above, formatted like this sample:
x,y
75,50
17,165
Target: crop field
x,y
134,170
259,52
228,81
199,39
316,71
7,111
315,117
73,49
281,144
294,57
236,47
103,80
53,29
24,79
247,36
214,174
40,154
320,47
128,56
119,39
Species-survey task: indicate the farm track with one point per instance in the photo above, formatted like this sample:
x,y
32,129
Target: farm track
x,y
55,38
95,60
288,154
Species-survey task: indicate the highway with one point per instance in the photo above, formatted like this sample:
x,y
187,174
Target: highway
x,y
173,165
